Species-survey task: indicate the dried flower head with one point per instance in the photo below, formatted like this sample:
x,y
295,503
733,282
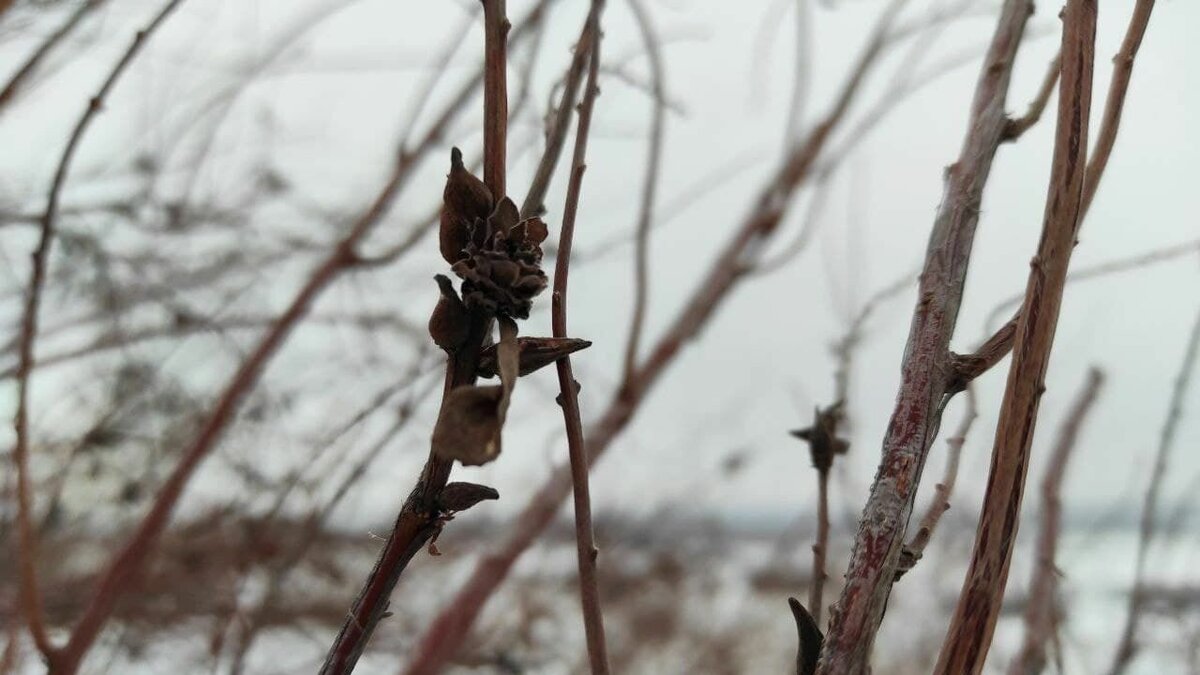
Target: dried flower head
x,y
501,270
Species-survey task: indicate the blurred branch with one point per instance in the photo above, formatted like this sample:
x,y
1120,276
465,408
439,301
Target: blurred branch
x,y
128,561
1128,645
641,272
1044,608
914,550
13,87
875,557
970,634
64,661
1133,262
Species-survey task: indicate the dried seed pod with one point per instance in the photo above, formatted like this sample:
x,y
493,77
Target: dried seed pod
x,y
502,271
535,353
462,496
466,200
449,323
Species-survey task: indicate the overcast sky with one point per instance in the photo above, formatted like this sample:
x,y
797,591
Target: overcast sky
x,y
328,108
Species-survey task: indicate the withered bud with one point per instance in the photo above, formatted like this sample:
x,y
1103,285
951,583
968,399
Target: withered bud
x,y
465,200
535,353
449,323
823,442
501,270
462,496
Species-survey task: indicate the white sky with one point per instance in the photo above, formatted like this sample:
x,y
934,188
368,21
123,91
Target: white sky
x,y
327,111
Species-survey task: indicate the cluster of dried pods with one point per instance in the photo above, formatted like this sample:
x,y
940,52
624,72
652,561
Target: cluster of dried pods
x,y
498,256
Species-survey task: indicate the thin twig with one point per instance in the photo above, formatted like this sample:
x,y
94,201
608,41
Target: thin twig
x,y
1133,262
1128,645
970,634
641,263
589,590
1042,611
1019,125
876,553
30,594
17,81
1114,105
915,548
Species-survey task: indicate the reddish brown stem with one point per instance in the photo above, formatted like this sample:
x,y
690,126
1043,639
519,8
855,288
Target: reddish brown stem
x,y
589,590
816,592
915,548
419,518
876,553
1019,125
1043,608
974,622
59,660
450,628
495,95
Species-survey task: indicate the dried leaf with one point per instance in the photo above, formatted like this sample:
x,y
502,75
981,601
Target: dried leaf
x,y
535,353
465,200
462,496
449,323
469,424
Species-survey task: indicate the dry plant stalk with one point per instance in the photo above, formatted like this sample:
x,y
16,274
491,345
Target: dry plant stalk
x,y
926,372
1127,646
586,552
1043,610
974,622
448,631
423,513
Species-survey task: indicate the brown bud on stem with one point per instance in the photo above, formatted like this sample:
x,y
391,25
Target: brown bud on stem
x,y
465,200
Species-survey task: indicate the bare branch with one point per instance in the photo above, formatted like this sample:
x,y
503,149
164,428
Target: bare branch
x,y
876,553
641,263
1128,645
593,619
971,629
915,548
30,595
17,81
1043,610
1019,125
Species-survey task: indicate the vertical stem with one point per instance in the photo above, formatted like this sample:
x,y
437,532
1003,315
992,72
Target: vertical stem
x,y
495,95
816,591
593,619
971,629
